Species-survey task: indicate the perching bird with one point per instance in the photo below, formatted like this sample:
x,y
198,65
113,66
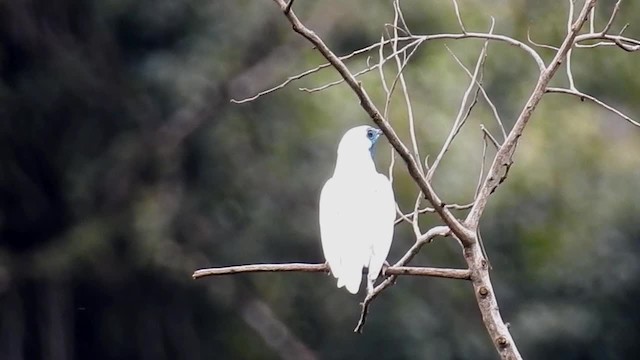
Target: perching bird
x,y
357,212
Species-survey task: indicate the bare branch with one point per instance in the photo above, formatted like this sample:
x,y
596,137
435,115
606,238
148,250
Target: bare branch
x,y
281,85
455,6
324,268
405,217
570,51
497,172
403,84
386,91
473,35
418,40
607,27
459,274
592,20
379,65
626,47
628,44
502,159
289,5
314,70
484,159
405,28
397,78
570,17
484,93
339,81
537,44
402,217
390,280
623,28
583,96
488,134
462,117
239,269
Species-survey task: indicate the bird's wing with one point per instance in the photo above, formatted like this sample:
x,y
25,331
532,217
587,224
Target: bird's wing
x,y
343,222
354,246
382,214
331,222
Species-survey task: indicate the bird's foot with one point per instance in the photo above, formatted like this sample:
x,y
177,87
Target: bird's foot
x,y
369,286
326,264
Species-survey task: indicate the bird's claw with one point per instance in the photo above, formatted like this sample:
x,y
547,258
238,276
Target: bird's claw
x,y
326,263
369,286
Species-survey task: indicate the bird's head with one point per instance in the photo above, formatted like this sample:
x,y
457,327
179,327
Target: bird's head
x,y
358,139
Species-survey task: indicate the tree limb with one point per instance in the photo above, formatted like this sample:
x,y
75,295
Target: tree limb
x,y
390,280
459,274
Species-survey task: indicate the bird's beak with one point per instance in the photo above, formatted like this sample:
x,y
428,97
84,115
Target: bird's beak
x,y
379,132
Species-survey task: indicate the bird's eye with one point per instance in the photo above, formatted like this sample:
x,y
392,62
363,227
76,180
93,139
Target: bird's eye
x,y
370,134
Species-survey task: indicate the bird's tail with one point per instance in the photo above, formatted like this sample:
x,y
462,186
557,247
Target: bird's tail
x,y
350,279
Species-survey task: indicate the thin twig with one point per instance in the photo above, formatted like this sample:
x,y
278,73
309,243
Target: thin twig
x,y
488,134
369,68
405,217
595,100
462,116
544,46
623,29
484,93
570,51
592,20
626,47
397,78
607,27
629,43
400,66
457,10
314,70
422,38
405,28
484,159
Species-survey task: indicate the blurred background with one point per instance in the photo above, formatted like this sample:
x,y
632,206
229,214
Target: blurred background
x,y
124,167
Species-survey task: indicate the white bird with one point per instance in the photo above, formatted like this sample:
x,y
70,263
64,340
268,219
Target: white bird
x,y
357,212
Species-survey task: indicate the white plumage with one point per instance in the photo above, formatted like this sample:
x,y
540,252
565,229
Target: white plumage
x,y
357,212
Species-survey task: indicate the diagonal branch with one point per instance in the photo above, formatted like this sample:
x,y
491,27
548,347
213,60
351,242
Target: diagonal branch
x,y
502,159
390,280
456,226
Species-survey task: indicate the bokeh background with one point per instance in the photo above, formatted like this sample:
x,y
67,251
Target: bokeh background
x,y
124,167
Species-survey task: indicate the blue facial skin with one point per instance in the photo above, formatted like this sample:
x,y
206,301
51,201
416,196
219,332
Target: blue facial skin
x,y
373,134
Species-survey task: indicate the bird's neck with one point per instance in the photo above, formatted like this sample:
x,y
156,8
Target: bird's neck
x,y
354,163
